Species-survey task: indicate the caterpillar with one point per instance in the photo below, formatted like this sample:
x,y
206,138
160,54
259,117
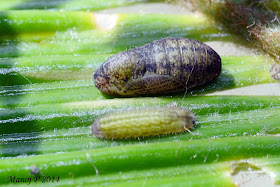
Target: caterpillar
x,y
143,122
162,66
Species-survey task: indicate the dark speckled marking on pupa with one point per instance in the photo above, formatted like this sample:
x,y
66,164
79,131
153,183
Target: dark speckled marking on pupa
x,y
163,66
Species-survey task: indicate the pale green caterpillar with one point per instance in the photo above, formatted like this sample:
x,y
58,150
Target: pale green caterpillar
x,y
143,122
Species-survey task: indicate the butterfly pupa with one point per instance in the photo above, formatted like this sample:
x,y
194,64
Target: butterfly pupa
x,y
162,66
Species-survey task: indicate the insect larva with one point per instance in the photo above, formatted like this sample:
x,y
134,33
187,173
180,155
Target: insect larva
x,y
163,66
143,122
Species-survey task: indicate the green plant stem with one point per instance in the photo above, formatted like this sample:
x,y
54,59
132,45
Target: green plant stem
x,y
237,71
200,105
130,30
47,109
233,116
214,174
85,5
39,21
220,180
32,21
139,157
81,138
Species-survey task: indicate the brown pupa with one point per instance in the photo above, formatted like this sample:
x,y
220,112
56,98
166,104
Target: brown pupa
x,y
162,66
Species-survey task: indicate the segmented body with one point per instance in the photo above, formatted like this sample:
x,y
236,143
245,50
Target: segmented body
x,y
143,122
166,65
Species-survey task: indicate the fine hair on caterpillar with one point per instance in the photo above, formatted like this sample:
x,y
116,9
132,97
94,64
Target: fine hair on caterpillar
x,y
190,75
